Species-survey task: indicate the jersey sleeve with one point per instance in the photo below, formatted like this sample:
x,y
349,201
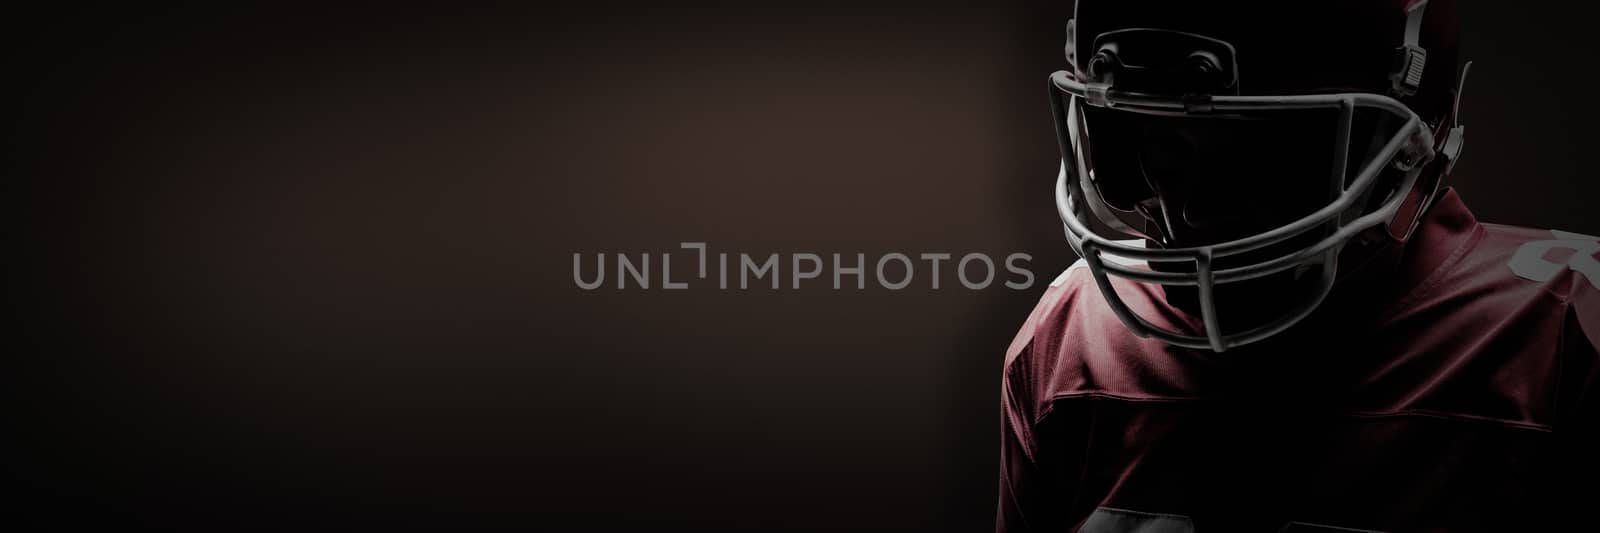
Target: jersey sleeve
x,y
1029,500
1032,497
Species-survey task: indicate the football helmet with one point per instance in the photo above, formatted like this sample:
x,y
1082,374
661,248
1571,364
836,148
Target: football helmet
x,y
1242,144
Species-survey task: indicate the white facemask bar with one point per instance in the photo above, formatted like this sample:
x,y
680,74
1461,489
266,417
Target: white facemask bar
x,y
1409,149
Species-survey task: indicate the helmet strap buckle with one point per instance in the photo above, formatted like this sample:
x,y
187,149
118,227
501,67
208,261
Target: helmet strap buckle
x,y
1410,58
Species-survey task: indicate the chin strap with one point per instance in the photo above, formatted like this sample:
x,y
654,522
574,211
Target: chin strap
x,y
1410,58
1421,197
1451,150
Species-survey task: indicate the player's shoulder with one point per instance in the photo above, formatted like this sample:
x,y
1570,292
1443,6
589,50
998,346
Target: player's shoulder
x,y
1564,267
1557,262
1052,309
1072,343
1072,306
1537,267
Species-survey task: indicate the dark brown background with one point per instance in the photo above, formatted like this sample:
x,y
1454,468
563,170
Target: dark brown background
x,y
295,267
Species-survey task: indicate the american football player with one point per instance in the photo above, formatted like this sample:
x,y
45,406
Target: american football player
x,y
1280,320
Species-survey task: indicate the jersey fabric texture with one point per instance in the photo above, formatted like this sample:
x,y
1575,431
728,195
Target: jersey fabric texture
x,y
1453,389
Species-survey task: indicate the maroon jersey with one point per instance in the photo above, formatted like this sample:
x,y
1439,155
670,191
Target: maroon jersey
x,y
1455,390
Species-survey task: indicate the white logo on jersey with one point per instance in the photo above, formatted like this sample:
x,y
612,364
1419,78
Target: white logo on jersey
x,y
1529,262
